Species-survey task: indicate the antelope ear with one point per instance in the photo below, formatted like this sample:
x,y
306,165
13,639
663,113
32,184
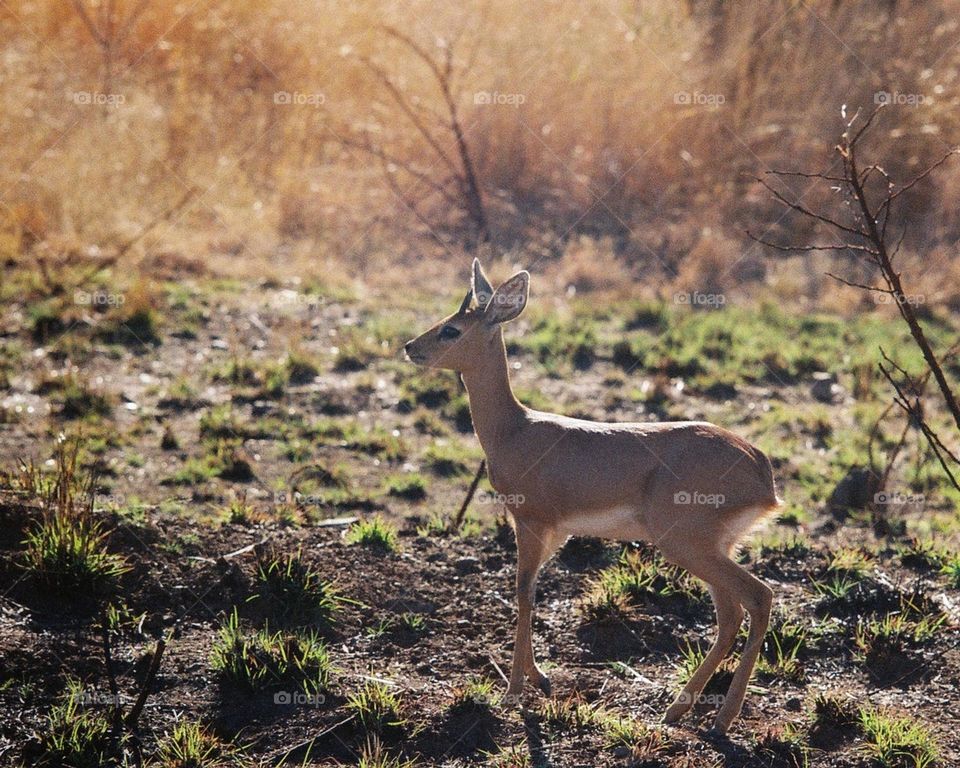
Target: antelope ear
x,y
465,304
509,300
482,290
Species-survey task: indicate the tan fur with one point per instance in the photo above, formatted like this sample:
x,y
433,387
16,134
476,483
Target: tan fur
x,y
691,488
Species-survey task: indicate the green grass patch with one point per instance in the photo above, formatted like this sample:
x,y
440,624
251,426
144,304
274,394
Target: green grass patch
x,y
260,660
75,735
224,459
377,441
783,648
448,459
476,697
375,533
67,553
300,368
191,745
411,486
294,590
897,742
76,398
377,709
638,577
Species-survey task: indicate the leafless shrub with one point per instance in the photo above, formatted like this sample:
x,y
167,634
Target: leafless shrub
x,y
109,27
862,228
441,132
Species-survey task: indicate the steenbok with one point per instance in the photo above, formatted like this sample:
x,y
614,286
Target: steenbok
x,y
691,488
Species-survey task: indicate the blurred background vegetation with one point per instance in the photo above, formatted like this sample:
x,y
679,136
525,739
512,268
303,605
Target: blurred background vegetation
x,y
615,146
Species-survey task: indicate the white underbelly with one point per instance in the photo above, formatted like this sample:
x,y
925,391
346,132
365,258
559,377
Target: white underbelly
x,y
621,523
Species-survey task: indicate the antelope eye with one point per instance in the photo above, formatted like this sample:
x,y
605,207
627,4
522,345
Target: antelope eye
x,y
449,332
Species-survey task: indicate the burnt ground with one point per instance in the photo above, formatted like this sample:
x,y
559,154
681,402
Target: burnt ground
x,y
202,375
461,587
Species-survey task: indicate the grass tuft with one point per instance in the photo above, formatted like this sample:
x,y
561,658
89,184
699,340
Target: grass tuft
x,y
374,755
294,590
476,697
261,660
783,645
191,745
377,709
640,577
69,555
375,533
66,550
897,742
75,735
411,487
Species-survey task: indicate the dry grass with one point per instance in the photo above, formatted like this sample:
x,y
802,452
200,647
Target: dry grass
x,y
603,144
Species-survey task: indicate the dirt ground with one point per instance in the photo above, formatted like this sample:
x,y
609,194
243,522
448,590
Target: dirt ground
x,y
191,564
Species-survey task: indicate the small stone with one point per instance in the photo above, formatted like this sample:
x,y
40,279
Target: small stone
x,y
825,388
467,564
262,408
857,490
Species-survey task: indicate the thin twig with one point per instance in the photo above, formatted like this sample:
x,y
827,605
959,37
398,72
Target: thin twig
x,y
458,520
134,715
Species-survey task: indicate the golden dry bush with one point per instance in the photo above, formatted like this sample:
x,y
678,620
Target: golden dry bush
x,y
636,125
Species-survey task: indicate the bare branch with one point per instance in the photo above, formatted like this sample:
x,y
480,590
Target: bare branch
x,y
805,175
381,154
134,715
411,114
862,286
131,20
910,184
442,69
457,521
92,28
852,142
914,412
811,214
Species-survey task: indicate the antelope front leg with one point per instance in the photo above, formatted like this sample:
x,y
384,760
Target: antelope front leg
x,y
522,646
533,548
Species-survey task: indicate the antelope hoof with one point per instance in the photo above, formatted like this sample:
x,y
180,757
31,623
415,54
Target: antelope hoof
x,y
542,682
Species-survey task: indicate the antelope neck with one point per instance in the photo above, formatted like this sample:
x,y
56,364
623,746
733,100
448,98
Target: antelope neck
x,y
495,411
